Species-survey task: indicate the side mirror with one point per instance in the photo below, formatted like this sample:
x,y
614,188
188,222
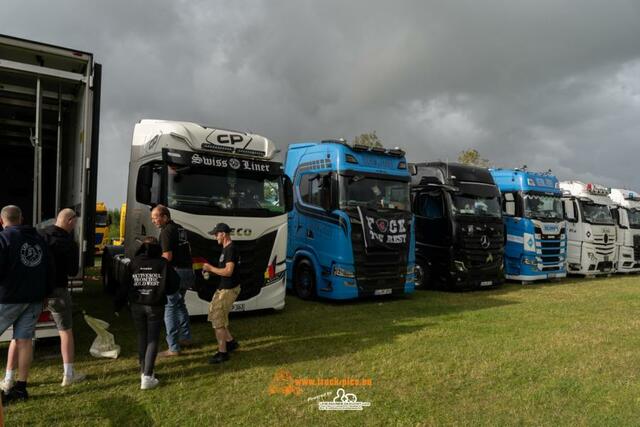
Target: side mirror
x,y
509,204
288,193
144,184
326,193
569,211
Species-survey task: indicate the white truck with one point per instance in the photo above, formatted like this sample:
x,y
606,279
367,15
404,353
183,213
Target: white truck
x,y
206,175
627,215
49,122
591,229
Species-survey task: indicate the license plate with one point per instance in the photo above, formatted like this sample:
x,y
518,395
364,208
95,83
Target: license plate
x,y
382,292
237,307
487,283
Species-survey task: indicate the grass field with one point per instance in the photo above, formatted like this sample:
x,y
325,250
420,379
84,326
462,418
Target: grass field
x,y
563,353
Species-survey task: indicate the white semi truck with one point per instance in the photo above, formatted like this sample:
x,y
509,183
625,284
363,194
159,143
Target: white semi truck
x,y
49,123
627,215
206,175
591,229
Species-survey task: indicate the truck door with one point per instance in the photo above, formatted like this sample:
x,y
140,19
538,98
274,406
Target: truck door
x,y
318,229
297,221
432,231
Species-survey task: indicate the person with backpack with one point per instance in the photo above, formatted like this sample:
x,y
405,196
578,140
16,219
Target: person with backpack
x,y
148,282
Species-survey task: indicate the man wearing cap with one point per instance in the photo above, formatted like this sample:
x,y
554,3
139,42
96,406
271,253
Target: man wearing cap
x,y
226,293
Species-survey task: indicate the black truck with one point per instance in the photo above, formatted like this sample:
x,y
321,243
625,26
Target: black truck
x,y
459,228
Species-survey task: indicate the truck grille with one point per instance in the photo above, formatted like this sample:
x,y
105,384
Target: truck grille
x,y
549,248
483,247
604,247
377,268
636,248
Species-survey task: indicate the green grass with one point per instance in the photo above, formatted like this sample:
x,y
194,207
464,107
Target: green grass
x,y
563,353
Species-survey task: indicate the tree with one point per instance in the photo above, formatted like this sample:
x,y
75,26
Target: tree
x,y
368,139
472,157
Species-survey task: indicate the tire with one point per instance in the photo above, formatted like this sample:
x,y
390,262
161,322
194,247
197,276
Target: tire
x,y
419,277
304,282
108,283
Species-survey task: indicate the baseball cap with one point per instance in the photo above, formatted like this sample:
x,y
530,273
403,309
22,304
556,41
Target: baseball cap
x,y
220,228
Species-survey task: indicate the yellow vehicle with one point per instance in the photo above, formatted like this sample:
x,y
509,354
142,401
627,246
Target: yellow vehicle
x,y
102,227
123,212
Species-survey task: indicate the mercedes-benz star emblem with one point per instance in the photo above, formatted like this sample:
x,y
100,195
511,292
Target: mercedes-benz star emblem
x,y
484,241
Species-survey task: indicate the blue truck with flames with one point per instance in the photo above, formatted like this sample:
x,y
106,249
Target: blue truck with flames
x,y
536,235
351,231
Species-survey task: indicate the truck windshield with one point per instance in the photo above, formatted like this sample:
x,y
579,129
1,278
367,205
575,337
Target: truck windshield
x,y
470,204
543,206
373,192
634,217
596,214
101,219
224,193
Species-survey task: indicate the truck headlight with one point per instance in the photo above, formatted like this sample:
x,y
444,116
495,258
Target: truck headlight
x,y
343,272
592,256
460,265
411,269
529,261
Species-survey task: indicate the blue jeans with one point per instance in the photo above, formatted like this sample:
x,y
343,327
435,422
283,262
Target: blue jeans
x,y
176,316
22,316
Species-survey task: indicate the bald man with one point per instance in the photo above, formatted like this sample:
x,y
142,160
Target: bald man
x,y
65,253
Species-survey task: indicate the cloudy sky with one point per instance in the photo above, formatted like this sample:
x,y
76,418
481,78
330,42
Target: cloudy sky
x,y
547,83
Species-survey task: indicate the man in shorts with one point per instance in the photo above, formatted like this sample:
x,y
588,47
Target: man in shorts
x,y
64,251
25,282
226,294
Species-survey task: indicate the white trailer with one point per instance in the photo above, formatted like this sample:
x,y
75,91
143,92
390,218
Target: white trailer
x,y
627,215
49,122
591,229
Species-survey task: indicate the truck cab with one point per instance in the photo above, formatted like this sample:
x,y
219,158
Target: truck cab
x,y
627,216
206,175
351,228
459,230
536,239
591,229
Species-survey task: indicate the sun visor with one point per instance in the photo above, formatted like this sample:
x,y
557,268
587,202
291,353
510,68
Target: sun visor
x,y
482,190
220,162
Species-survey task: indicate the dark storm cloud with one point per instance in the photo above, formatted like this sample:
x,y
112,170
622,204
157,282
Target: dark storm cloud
x,y
550,84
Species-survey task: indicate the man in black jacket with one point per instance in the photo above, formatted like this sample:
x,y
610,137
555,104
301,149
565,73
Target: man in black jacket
x,y
64,251
25,272
148,281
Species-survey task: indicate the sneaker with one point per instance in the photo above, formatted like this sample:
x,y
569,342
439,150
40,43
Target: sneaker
x,y
168,353
219,357
148,382
6,385
14,395
76,378
232,345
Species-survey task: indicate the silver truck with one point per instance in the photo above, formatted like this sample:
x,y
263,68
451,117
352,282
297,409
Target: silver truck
x,y
206,175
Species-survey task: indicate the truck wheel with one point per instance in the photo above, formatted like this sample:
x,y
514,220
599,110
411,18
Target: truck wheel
x,y
304,282
419,276
107,282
